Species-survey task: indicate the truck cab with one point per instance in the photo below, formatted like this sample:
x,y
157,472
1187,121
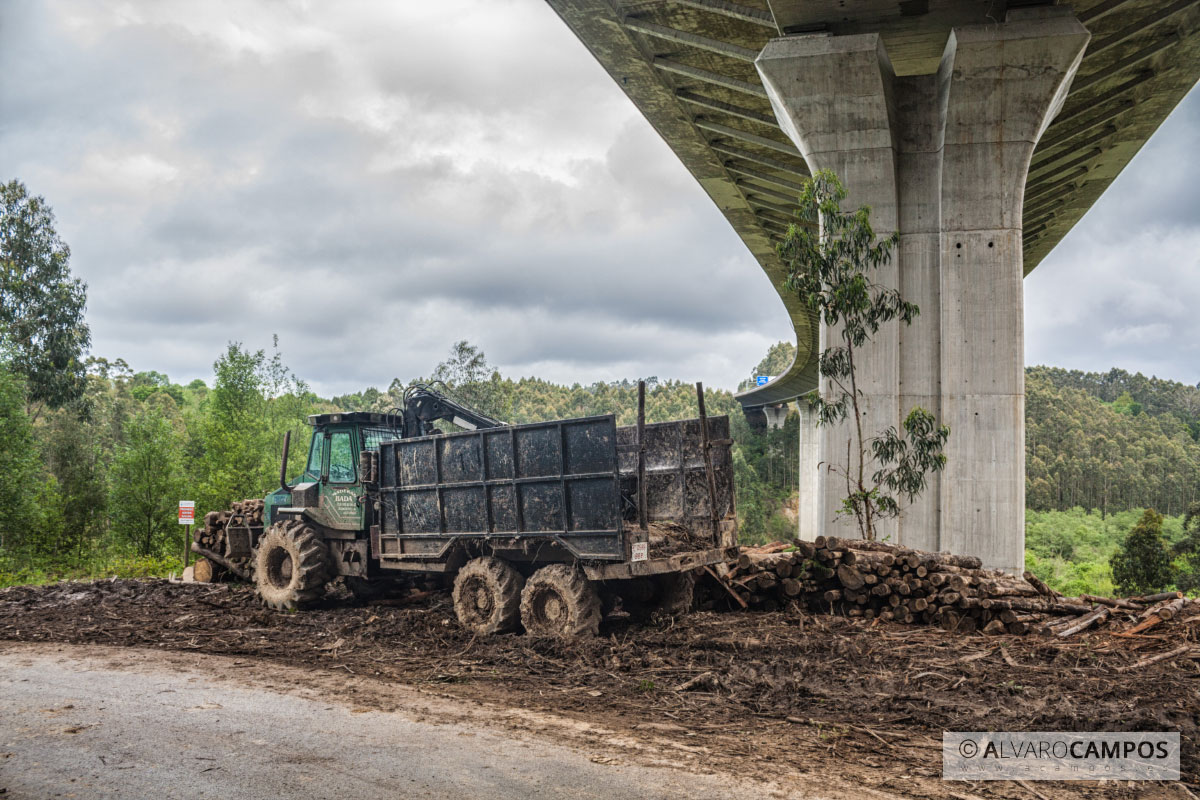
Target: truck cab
x,y
330,491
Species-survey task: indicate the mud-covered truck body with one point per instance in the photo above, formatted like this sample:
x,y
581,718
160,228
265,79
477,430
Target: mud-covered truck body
x,y
543,525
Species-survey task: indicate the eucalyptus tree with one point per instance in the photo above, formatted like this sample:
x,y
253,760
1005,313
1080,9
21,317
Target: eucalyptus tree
x,y
833,258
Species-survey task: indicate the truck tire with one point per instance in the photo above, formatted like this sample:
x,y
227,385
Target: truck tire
x,y
635,596
675,593
487,596
291,566
559,601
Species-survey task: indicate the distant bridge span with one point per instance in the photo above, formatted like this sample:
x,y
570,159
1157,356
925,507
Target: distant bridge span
x,y
980,130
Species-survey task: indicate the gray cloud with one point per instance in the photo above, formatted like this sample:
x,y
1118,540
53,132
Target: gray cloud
x,y
373,181
1123,288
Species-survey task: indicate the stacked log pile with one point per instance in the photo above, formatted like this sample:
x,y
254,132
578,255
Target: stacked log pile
x,y
876,580
211,536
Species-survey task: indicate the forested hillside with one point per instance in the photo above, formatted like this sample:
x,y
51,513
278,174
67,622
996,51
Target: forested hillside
x,y
1133,393
1110,442
91,486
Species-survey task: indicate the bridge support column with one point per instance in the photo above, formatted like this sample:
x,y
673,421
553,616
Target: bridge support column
x,y
941,159
809,501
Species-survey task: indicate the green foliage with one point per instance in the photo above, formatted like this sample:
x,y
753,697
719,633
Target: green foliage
x,y
475,382
778,358
832,258
1071,550
146,482
41,305
1133,394
288,404
18,463
1142,565
99,477
237,451
13,573
78,453
905,461
1082,451
233,439
1187,552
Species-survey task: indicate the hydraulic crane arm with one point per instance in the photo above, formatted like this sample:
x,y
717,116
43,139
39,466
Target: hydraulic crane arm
x,y
423,405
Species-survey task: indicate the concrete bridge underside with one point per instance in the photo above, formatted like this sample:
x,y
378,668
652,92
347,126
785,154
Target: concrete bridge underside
x,y
979,130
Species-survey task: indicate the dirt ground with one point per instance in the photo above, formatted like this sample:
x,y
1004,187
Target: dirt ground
x,y
767,696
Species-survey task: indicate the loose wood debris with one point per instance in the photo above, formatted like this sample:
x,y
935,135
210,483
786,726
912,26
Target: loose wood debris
x,y
879,581
791,687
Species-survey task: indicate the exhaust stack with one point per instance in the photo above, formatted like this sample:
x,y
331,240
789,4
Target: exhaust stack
x,y
287,443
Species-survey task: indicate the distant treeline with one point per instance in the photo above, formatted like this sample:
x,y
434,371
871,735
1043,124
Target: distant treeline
x,y
96,480
1111,441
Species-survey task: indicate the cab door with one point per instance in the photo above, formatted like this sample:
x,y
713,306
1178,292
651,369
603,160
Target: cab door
x,y
341,507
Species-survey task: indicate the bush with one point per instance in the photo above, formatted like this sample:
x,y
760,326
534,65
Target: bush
x,y
1143,565
32,572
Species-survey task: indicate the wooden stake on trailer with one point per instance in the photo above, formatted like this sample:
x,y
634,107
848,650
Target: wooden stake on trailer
x,y
708,466
641,440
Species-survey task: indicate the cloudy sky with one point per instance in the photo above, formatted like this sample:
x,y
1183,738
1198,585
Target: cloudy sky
x,y
374,180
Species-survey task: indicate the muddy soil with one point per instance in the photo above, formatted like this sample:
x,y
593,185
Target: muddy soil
x,y
762,695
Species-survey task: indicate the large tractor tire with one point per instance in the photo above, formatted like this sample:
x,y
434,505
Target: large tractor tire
x,y
675,593
487,596
559,601
291,566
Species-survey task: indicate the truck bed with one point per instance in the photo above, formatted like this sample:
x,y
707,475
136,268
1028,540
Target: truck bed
x,y
560,490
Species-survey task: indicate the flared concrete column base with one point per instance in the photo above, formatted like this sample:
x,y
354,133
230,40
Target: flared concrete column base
x,y
942,160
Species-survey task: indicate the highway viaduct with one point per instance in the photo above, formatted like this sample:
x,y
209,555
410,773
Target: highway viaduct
x,y
980,131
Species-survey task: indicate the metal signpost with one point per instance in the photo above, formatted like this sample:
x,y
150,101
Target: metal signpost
x,y
762,380
187,516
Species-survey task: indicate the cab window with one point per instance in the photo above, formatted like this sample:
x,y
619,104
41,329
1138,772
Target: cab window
x,y
341,458
314,456
373,436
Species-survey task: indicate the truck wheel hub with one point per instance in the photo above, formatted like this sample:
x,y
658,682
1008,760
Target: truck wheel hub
x,y
279,569
483,600
553,608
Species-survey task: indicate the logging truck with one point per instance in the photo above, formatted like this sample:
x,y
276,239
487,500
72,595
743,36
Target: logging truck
x,y
542,526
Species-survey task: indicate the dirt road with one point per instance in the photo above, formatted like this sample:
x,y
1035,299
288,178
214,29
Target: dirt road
x,y
95,722
789,698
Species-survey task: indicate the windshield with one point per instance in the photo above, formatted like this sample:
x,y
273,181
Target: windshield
x,y
313,471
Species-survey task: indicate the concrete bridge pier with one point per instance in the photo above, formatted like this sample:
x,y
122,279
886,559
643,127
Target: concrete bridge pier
x,y
941,158
809,505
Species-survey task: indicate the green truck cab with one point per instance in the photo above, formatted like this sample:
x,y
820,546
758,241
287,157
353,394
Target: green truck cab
x,y
330,490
